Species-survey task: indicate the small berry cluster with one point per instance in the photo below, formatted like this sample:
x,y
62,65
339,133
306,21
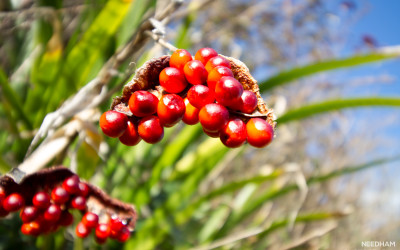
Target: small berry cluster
x,y
214,97
48,209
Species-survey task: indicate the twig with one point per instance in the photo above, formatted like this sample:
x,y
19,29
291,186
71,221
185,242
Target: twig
x,y
95,92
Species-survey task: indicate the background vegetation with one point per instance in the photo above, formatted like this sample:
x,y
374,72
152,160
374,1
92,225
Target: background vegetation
x,y
61,62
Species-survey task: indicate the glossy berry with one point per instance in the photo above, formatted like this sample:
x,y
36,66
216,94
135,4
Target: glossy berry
x,y
217,61
81,230
213,134
143,103
195,72
28,214
113,123
228,91
172,80
90,220
213,117
233,135
32,228
52,213
216,74
66,219
131,136
191,115
103,231
248,102
150,129
78,202
170,110
13,202
71,184
83,189
205,54
59,195
179,58
123,234
116,224
259,132
200,95
41,200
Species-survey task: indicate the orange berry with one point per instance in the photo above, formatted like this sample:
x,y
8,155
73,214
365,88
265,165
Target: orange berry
x,y
205,54
217,61
213,134
191,115
143,103
233,135
113,123
131,136
259,132
216,74
172,80
248,102
170,109
195,72
150,129
213,117
179,58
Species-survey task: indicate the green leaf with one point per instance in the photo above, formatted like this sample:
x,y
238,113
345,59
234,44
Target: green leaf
x,y
302,71
331,105
237,216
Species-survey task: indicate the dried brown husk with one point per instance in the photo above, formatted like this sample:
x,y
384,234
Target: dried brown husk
x,y
146,78
98,201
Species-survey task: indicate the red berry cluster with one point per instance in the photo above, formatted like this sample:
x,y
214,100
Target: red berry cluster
x,y
212,93
49,209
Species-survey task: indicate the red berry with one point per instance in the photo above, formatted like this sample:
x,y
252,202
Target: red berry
x,y
216,74
59,195
150,129
78,202
13,202
191,115
205,54
200,95
233,135
213,117
217,61
213,134
66,219
195,72
179,58
52,213
41,200
131,136
123,235
28,214
143,103
102,231
2,194
83,189
248,102
259,132
71,184
116,224
81,230
228,91
33,228
170,110
90,220
172,80
113,123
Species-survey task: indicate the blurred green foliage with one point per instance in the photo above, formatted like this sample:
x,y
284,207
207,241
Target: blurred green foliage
x,y
162,180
